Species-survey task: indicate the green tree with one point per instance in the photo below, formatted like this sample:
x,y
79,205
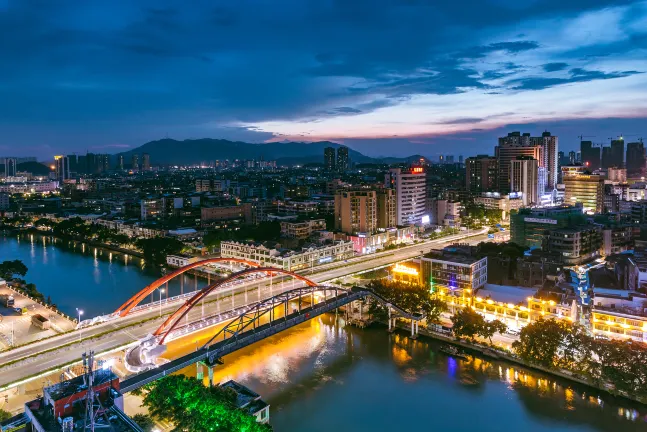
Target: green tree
x,y
467,324
541,342
191,406
5,415
144,422
156,249
411,297
489,328
8,269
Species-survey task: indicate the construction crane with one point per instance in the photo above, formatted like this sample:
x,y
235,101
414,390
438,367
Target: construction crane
x,y
581,137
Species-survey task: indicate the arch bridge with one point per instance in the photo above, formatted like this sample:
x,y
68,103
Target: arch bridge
x,y
265,319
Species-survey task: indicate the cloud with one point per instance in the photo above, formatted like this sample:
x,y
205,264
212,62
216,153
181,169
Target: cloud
x,y
554,67
577,75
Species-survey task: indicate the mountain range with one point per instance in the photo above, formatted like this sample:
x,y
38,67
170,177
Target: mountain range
x,y
194,151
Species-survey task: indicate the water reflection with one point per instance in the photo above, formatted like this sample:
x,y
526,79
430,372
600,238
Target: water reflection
x,y
322,376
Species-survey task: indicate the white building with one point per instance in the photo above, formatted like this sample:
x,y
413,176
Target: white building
x,y
524,179
411,191
290,260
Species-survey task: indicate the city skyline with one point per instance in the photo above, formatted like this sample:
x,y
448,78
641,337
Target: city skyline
x,y
394,80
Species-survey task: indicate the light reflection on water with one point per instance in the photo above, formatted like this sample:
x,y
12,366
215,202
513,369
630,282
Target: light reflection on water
x,y
325,377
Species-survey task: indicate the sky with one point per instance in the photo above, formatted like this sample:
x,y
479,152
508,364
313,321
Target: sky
x,y
385,77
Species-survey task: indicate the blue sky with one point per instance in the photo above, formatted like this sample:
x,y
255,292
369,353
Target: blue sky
x,y
386,77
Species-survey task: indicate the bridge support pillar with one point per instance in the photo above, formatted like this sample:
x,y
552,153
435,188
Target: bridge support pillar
x,y
200,372
414,329
391,321
210,376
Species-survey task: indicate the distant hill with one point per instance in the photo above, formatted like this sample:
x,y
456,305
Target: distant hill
x,y
170,151
35,168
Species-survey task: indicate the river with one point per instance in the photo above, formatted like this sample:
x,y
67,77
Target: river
x,y
324,376
76,275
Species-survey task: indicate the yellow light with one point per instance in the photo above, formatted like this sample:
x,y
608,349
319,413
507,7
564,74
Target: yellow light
x,y
552,303
624,325
595,320
523,308
399,268
543,313
489,301
510,305
479,299
468,290
610,322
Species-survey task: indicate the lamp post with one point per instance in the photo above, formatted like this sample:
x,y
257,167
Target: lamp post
x,y
79,312
161,290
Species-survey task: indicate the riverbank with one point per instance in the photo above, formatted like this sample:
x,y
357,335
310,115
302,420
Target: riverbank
x,y
498,354
104,246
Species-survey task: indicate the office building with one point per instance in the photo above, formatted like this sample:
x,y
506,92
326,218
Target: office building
x,y
550,151
481,174
590,155
587,189
134,164
607,158
61,168
497,201
103,163
528,226
10,167
460,159
302,230
636,159
146,162
572,158
410,190
120,162
524,179
73,160
343,161
329,159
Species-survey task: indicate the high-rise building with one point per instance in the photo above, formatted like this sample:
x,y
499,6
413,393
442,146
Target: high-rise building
x,y
146,162
524,179
528,226
607,158
134,162
590,155
550,151
636,159
61,168
356,211
387,208
481,174
460,159
511,147
618,153
587,189
617,175
120,162
103,163
343,161
572,157
73,159
10,167
410,189
329,159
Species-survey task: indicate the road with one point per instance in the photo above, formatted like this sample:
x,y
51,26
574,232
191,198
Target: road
x,y
38,357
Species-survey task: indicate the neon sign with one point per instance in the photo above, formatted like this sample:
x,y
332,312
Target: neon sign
x,y
399,268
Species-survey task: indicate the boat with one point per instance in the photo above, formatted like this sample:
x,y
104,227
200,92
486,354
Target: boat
x,y
453,351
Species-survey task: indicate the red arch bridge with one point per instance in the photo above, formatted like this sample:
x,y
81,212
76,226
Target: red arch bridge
x,y
260,321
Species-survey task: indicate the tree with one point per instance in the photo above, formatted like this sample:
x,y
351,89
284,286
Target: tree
x,y
540,342
488,329
467,324
5,415
8,269
144,422
189,405
411,297
156,249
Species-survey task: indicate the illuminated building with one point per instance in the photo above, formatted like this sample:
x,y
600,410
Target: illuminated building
x,y
528,227
524,179
481,174
590,155
343,161
587,189
411,192
408,272
356,211
636,159
453,272
61,168
575,245
620,314
329,159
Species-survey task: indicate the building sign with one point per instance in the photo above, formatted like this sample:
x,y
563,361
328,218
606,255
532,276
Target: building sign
x,y
542,221
399,268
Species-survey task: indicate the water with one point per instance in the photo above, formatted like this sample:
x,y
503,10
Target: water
x,y
323,376
76,275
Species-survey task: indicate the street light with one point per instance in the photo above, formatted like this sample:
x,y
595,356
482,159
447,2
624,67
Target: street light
x,y
80,312
161,290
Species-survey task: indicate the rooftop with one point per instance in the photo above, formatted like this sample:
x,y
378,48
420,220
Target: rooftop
x,y
77,384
